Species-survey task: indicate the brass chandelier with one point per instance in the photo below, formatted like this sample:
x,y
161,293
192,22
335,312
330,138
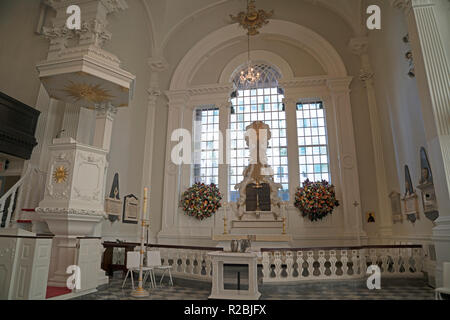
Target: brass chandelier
x,y
252,20
249,77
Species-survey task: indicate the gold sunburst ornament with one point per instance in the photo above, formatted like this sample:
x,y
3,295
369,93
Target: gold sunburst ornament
x,y
253,19
60,174
88,92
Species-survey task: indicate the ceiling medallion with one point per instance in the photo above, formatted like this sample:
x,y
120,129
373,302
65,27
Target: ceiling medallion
x,y
60,174
253,19
91,93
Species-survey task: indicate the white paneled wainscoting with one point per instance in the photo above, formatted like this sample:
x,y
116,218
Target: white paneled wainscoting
x,y
291,265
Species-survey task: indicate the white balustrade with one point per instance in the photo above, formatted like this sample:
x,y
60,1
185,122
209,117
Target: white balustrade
x,y
296,265
335,264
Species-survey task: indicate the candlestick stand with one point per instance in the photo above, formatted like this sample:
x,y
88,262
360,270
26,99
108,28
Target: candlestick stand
x,y
140,292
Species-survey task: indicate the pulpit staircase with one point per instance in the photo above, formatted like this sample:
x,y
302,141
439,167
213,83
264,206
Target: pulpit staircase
x,y
9,201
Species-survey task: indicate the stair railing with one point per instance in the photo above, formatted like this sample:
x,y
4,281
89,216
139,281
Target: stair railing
x,y
11,194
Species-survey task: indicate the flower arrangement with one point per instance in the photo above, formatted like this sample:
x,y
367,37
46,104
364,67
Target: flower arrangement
x,y
201,201
316,200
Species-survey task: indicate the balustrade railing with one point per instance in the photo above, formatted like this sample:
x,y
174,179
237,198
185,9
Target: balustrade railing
x,y
9,200
295,265
187,262
303,264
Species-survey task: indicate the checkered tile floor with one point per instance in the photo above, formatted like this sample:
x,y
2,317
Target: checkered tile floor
x,y
391,289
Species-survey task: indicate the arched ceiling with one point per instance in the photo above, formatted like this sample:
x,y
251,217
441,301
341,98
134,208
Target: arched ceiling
x,y
167,16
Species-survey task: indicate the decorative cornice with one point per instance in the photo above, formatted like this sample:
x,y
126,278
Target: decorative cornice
x,y
304,82
340,84
177,98
70,211
215,89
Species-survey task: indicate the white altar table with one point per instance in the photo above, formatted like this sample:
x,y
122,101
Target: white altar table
x,y
220,258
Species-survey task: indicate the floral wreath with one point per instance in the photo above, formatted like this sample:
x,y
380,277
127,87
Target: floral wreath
x,y
316,200
201,201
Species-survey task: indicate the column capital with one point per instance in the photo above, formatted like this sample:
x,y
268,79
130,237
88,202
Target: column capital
x,y
177,98
366,75
94,21
359,45
158,64
289,100
105,108
339,84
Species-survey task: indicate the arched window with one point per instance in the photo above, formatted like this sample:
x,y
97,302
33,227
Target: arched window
x,y
261,101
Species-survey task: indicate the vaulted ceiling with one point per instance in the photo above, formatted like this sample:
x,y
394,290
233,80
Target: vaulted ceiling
x,y
168,16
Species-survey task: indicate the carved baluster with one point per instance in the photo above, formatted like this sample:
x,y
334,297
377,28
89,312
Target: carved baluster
x,y
164,257
197,261
178,257
310,260
373,256
300,262
362,261
344,260
384,260
355,261
418,259
10,209
2,209
405,258
208,266
190,255
333,261
277,262
322,261
266,265
202,263
289,264
396,261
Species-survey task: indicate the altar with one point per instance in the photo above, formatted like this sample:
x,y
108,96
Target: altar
x,y
220,258
259,214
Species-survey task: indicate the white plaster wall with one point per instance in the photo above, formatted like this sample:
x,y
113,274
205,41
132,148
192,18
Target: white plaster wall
x,y
131,43
20,49
400,112
300,61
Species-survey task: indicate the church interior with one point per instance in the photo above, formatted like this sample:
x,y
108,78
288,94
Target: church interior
x,y
224,149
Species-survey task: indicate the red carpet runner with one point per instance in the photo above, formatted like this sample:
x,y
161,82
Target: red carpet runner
x,y
56,292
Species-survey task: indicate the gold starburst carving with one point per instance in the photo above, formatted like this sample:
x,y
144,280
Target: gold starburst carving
x,y
91,93
60,174
253,19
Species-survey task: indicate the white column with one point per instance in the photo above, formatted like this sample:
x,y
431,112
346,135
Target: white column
x,y
224,169
348,168
359,47
105,114
292,140
157,65
172,173
433,78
